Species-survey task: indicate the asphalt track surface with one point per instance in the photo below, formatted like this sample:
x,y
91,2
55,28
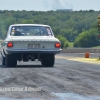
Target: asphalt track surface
x,y
70,79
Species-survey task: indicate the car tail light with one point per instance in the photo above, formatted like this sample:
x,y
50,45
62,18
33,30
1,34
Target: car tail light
x,y
10,44
57,45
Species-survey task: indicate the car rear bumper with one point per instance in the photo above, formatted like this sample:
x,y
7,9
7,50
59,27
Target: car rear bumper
x,y
32,51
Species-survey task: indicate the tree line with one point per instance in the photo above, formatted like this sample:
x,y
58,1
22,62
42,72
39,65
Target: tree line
x,y
79,27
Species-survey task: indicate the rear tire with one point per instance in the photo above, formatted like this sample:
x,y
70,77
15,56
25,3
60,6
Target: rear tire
x,y
48,60
11,60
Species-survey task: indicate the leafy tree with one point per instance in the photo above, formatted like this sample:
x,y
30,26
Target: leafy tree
x,y
87,39
66,44
68,25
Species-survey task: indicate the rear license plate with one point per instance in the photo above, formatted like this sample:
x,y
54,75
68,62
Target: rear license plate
x,y
34,46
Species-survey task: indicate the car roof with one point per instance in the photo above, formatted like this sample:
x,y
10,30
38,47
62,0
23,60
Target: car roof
x,y
30,25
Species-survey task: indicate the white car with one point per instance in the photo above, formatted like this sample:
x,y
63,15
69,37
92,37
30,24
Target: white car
x,y
28,42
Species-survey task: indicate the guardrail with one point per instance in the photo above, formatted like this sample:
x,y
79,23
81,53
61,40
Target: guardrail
x,y
81,50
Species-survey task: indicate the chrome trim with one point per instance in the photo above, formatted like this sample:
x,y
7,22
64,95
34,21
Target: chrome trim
x,y
33,51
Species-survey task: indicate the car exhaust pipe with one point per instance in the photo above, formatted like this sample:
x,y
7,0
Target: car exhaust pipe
x,y
30,57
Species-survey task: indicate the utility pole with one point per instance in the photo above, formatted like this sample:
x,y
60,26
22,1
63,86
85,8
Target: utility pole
x,y
99,31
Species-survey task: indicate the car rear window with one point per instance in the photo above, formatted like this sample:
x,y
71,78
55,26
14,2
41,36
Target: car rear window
x,y
30,31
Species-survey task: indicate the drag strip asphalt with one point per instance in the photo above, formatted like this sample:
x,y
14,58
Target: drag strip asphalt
x,y
67,80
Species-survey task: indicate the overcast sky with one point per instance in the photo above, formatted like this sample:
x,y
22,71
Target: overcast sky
x,y
44,5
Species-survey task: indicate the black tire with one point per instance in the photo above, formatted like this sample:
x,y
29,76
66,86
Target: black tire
x,y
48,60
11,60
3,60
